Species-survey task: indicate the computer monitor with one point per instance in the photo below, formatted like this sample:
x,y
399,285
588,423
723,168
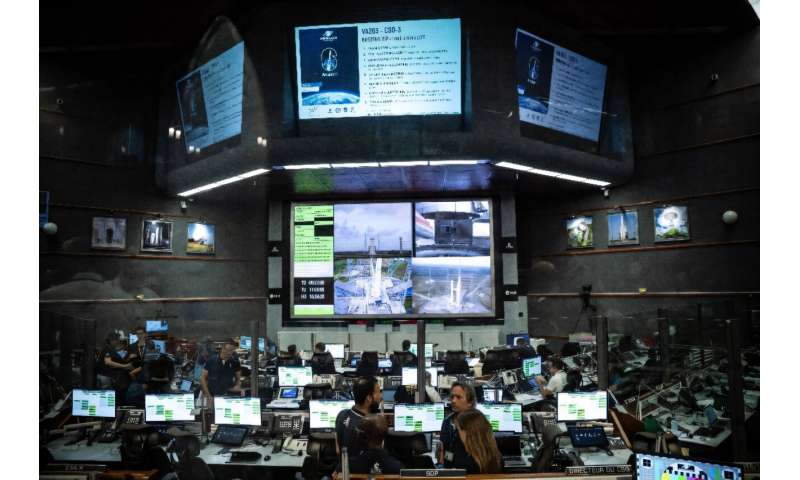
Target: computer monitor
x,y
335,349
511,339
657,467
132,338
472,362
531,367
388,395
323,412
384,363
168,407
245,342
93,403
423,417
428,349
503,417
237,411
582,406
410,376
186,385
160,345
153,326
294,376
289,392
492,395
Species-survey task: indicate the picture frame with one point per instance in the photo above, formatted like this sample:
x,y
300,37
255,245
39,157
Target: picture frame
x,y
671,223
623,227
580,232
156,236
109,233
200,238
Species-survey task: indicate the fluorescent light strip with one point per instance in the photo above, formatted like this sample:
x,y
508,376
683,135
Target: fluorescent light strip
x,y
308,166
356,165
549,173
413,163
454,162
250,174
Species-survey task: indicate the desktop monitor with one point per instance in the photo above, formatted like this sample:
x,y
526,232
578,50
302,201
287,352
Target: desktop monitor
x,y
423,417
503,417
154,326
186,385
335,349
582,406
410,376
169,407
160,345
237,411
323,413
384,363
428,349
531,367
289,393
93,403
132,338
492,395
245,342
651,466
294,376
511,339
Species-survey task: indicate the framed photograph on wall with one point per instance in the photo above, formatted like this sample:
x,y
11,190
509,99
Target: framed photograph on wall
x,y
157,236
200,238
671,223
623,227
108,233
580,233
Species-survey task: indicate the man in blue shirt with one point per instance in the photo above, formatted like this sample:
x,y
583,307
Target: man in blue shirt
x,y
222,373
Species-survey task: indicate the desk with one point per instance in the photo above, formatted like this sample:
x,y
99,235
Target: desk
x,y
80,453
211,455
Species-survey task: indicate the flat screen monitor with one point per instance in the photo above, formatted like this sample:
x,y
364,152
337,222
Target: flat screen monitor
x,y
391,259
408,67
160,345
294,376
492,395
335,349
423,417
428,349
410,376
503,417
210,100
155,326
93,403
582,406
237,410
246,343
169,407
546,75
531,367
323,412
289,392
132,338
384,363
658,467
186,385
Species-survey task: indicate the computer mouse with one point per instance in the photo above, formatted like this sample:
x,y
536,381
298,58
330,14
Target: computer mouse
x,y
267,458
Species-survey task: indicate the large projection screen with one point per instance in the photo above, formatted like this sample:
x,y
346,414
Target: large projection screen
x,y
394,259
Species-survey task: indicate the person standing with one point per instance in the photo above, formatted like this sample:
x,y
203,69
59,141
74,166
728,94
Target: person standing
x,y
453,454
222,374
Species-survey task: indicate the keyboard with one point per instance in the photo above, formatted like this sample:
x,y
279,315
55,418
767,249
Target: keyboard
x,y
514,461
287,404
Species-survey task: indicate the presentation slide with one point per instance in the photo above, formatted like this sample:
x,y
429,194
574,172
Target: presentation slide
x,y
581,406
654,467
93,403
210,100
428,349
169,407
323,412
294,376
425,417
558,88
237,411
531,367
408,67
152,326
503,417
360,259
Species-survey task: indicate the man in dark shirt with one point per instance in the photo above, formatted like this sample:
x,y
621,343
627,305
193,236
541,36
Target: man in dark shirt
x,y
407,348
453,454
366,393
222,373
137,350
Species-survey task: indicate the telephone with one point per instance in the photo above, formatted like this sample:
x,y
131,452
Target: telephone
x,y
132,416
288,424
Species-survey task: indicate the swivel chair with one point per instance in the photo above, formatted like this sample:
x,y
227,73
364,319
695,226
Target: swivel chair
x,y
409,448
322,363
400,360
187,447
456,362
368,366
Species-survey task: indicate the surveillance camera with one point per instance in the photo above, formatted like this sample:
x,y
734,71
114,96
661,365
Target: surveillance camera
x,y
606,193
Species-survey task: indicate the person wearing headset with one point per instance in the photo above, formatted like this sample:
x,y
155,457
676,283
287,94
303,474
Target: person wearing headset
x,y
558,378
453,454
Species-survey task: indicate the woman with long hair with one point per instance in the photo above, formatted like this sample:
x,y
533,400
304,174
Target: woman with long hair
x,y
478,439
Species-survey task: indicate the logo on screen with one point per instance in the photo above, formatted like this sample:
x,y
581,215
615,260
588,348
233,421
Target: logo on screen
x,y
329,59
328,36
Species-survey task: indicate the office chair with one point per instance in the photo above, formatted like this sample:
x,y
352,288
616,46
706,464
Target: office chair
x,y
574,380
544,456
187,447
287,360
543,352
409,448
570,348
400,360
456,362
402,395
317,391
322,364
545,405
140,450
321,457
368,366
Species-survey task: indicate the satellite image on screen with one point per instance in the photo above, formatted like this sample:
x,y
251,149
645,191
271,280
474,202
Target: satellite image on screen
x,y
452,285
370,228
453,229
369,286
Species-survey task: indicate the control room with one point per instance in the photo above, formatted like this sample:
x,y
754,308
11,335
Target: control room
x,y
381,239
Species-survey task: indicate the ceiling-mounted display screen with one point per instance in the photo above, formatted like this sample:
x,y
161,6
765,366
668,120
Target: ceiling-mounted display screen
x,y
396,259
557,88
210,100
408,67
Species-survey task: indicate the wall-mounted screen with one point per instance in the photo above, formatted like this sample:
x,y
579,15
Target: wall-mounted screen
x,y
408,67
210,100
559,89
397,259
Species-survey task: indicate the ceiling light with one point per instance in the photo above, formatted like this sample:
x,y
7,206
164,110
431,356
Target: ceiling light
x,y
308,166
226,181
412,163
356,165
454,162
515,166
552,174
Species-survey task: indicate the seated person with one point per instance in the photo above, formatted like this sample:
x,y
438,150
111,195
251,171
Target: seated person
x,y
431,394
475,433
405,358
154,376
322,361
367,397
374,459
407,348
290,358
558,378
